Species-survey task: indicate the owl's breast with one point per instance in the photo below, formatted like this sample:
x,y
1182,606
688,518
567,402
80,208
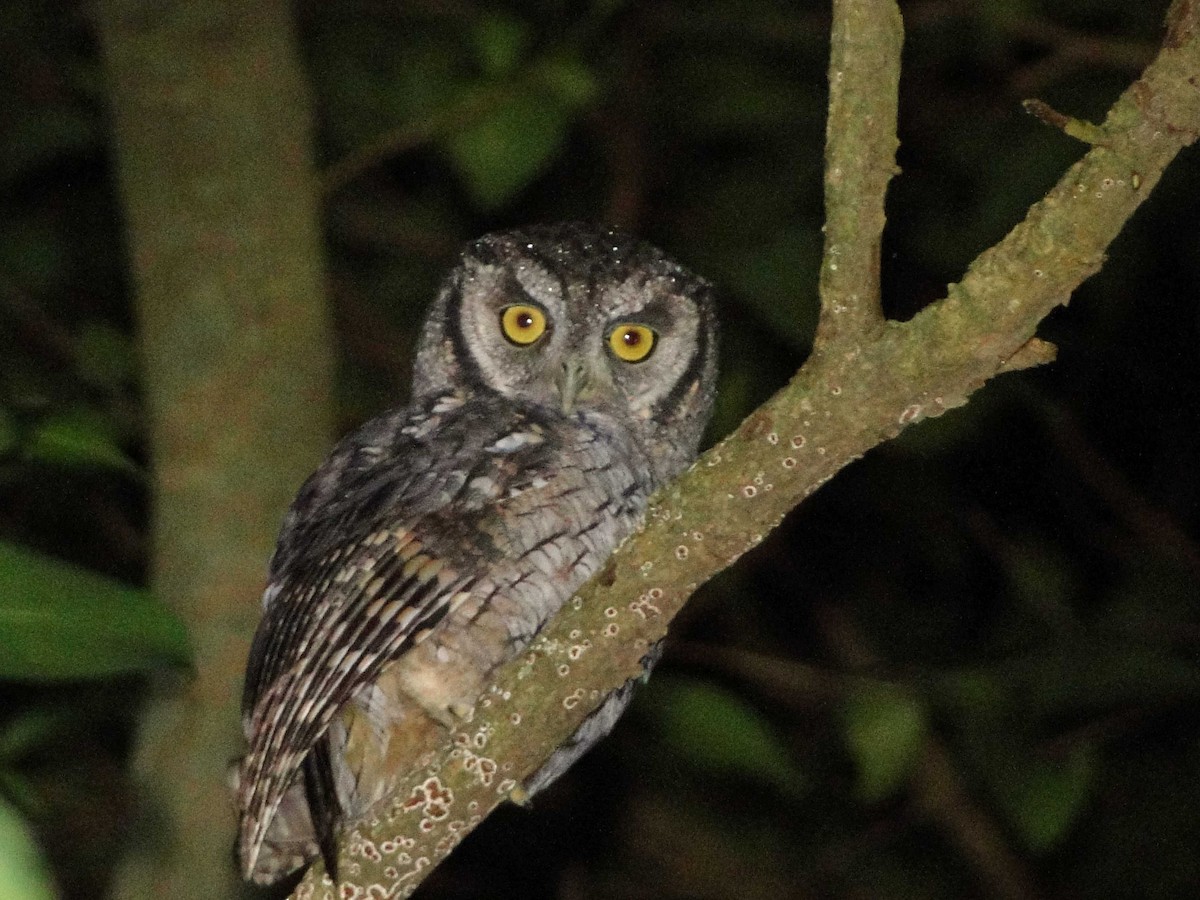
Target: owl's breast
x,y
539,512
561,494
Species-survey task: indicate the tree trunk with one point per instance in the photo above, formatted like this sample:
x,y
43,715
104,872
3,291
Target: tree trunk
x,y
212,134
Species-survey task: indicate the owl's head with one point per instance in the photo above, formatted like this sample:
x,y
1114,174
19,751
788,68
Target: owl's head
x,y
577,319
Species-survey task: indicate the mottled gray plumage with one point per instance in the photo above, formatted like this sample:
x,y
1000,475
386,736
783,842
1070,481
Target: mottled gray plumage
x,y
435,541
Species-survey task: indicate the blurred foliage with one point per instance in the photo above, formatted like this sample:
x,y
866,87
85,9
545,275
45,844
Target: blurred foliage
x,y
23,874
1014,583
59,621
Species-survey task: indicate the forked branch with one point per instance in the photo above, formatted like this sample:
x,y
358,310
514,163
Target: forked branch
x,y
867,379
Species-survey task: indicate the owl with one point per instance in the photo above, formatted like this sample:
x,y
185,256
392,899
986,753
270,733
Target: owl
x,y
563,374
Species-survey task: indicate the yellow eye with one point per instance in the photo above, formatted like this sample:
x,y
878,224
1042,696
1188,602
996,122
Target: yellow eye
x,y
523,324
631,342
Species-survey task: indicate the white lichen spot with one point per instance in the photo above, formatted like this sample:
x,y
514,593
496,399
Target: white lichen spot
x,y
836,390
432,800
483,768
681,552
513,719
645,568
572,700
820,451
564,670
610,612
749,491
772,438
612,629
697,536
798,441
910,414
789,462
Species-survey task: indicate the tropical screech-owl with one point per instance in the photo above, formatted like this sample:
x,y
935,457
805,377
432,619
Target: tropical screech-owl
x,y
564,373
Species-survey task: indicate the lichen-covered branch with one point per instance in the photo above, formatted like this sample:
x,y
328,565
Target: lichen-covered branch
x,y
859,391
860,159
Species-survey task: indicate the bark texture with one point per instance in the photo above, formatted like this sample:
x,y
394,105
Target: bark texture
x,y
212,138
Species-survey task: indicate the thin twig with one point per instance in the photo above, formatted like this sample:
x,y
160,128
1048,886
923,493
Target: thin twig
x,y
411,135
937,786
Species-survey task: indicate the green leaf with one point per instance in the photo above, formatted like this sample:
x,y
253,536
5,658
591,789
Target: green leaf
x,y
502,153
885,730
500,43
79,438
1043,798
776,280
30,730
715,729
23,872
60,621
567,79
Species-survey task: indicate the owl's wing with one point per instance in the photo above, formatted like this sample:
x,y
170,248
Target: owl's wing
x,y
353,584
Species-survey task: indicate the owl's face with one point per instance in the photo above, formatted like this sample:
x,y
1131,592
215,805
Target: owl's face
x,y
576,320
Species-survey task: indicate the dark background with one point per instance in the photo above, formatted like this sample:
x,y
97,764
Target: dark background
x,y
967,667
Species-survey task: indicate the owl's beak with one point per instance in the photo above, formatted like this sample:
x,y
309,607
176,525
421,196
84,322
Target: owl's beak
x,y
571,381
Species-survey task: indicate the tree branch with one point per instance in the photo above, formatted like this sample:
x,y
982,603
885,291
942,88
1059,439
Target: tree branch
x,y
855,392
860,159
